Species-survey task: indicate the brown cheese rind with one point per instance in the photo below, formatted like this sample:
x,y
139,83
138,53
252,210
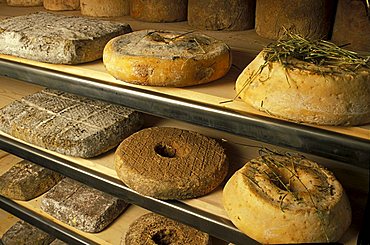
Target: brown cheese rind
x,y
81,206
26,180
156,229
170,163
22,233
24,3
69,124
56,38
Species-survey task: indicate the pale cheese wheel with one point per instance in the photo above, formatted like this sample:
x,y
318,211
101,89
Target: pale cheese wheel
x,y
159,10
281,199
301,95
166,58
24,3
60,5
106,8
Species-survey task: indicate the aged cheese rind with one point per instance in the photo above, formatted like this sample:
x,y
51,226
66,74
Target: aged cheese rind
x,y
59,5
108,8
69,124
166,58
57,39
24,3
24,233
81,206
26,180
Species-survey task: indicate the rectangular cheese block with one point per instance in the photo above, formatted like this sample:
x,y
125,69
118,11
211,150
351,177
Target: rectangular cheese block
x,y
81,206
26,180
55,38
69,124
23,233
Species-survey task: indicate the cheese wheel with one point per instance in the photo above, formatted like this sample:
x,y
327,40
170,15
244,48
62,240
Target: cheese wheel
x,y
231,15
166,58
59,5
24,3
280,199
170,163
159,10
313,19
301,95
106,8
155,229
352,25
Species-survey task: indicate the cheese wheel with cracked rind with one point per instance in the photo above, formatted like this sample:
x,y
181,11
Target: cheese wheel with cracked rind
x,y
106,8
166,58
156,229
305,96
60,5
273,195
170,163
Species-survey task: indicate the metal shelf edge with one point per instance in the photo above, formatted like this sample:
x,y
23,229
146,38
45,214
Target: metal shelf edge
x,y
299,137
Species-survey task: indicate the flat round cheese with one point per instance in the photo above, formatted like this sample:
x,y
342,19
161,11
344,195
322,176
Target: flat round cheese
x,y
60,5
24,3
106,8
166,58
159,10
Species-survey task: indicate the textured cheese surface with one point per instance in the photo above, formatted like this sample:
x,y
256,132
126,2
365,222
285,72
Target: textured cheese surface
x,y
55,38
57,5
25,3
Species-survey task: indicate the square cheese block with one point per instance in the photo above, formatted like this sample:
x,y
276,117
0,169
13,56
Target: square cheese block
x,y
81,206
22,233
59,39
69,124
26,180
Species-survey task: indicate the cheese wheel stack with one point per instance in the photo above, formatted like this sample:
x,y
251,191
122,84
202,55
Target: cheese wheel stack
x,y
106,8
60,5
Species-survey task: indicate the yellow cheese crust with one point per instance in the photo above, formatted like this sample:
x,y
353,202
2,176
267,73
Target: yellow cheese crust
x,y
306,96
166,58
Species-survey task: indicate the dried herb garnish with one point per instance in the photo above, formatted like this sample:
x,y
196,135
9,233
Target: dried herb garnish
x,y
320,53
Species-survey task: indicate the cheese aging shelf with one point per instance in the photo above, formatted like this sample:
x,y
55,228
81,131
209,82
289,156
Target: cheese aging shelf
x,y
210,107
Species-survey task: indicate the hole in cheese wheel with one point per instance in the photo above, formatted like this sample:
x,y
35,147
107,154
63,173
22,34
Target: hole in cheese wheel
x,y
165,237
165,150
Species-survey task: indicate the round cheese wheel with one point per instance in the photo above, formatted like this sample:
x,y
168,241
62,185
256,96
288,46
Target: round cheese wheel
x,y
24,3
302,95
159,10
155,229
106,8
170,163
166,58
278,199
231,15
60,5
313,19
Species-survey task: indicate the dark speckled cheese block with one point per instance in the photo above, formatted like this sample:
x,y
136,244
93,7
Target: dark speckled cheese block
x,y
26,180
22,233
59,39
69,124
81,206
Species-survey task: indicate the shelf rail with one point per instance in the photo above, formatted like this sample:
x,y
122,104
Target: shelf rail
x,y
316,141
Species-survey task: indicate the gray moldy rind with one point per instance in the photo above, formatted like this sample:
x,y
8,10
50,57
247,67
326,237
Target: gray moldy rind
x,y
69,124
81,206
59,39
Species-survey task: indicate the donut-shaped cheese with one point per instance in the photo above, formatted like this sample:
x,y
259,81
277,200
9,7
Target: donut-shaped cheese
x,y
287,199
170,163
304,96
166,58
154,229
